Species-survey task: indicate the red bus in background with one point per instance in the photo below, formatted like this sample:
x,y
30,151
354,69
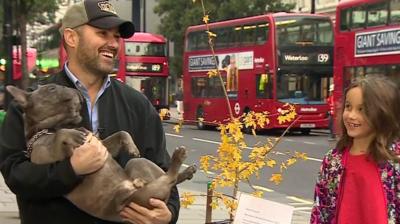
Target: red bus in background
x,y
367,41
143,65
266,61
142,62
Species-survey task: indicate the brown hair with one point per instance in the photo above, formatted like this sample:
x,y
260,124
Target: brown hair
x,y
381,108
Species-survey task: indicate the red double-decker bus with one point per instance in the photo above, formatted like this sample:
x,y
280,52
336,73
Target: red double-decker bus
x,y
142,62
143,65
266,61
367,41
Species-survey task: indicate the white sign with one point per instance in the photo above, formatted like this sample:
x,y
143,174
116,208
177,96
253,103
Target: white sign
x,y
254,210
243,60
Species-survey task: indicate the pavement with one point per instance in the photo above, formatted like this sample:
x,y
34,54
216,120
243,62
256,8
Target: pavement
x,y
195,214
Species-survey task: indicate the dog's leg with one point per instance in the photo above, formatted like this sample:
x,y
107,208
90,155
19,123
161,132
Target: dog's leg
x,y
68,139
121,140
177,159
186,174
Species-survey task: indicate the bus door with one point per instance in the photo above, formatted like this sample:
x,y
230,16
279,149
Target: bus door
x,y
308,90
154,88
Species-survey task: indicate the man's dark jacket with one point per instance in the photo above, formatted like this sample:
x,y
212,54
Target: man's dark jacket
x,y
40,188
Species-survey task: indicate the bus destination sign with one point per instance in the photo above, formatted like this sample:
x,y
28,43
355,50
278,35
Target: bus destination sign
x,y
380,42
143,67
318,58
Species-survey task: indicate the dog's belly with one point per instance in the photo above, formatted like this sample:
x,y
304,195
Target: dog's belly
x,y
103,193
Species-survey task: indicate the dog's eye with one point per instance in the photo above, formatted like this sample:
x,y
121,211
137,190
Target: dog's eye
x,y
51,88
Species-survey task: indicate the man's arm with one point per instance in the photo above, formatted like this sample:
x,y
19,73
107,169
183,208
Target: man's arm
x,y
23,177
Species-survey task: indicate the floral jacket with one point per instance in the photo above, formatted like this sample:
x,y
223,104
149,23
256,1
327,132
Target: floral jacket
x,y
327,187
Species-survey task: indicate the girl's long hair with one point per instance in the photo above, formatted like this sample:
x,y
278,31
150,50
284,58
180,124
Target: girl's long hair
x,y
381,109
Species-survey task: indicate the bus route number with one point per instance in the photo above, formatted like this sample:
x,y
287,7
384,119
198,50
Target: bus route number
x,y
323,58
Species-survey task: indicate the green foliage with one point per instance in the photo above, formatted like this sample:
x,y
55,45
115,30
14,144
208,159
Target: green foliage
x,y
42,11
177,15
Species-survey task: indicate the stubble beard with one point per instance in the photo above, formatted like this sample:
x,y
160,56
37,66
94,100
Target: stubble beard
x,y
92,63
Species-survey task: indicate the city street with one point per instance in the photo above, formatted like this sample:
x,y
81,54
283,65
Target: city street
x,y
295,190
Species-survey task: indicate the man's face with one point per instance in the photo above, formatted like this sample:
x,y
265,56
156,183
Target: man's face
x,y
97,49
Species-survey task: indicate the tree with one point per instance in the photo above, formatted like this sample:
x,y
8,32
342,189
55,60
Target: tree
x,y
29,11
177,15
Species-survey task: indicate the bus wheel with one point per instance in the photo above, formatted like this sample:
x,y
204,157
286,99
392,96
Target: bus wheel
x,y
200,114
305,131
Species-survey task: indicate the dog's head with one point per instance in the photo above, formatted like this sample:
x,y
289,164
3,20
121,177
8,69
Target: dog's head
x,y
50,106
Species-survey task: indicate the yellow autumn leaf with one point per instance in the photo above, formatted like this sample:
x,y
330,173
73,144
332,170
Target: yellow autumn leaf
x,y
187,199
212,73
291,161
283,166
163,113
194,1
206,19
177,128
271,163
300,155
204,163
211,34
258,193
276,178
214,204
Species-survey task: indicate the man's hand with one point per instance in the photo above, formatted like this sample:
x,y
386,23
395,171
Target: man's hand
x,y
89,157
136,214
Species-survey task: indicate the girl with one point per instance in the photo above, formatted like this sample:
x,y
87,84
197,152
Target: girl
x,y
359,180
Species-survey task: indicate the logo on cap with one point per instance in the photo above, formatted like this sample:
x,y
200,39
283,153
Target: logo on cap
x,y
107,7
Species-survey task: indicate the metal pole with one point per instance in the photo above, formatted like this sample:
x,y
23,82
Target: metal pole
x,y
312,6
208,203
8,47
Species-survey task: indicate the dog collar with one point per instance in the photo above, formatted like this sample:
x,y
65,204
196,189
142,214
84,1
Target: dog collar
x,y
29,144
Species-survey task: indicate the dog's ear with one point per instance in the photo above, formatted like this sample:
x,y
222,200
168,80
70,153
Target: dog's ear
x,y
20,96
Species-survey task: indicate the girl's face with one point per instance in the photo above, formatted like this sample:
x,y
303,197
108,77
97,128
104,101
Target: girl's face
x,y
354,118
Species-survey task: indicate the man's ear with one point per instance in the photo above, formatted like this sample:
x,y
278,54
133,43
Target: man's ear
x,y
20,96
70,38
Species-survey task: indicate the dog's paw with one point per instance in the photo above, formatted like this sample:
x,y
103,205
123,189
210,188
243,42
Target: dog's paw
x,y
139,183
133,150
189,171
180,154
73,137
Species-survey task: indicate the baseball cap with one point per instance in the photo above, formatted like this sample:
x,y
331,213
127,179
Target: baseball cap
x,y
96,13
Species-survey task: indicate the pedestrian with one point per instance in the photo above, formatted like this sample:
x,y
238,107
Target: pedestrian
x,y
91,32
331,113
358,180
179,101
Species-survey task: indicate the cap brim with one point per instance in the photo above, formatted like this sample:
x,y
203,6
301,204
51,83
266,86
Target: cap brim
x,y
126,28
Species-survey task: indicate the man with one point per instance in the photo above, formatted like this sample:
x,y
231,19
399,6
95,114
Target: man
x,y
91,33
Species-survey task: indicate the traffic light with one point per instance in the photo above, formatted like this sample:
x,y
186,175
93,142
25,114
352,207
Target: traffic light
x,y
3,65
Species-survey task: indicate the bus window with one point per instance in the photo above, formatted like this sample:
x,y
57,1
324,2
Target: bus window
x,y
325,33
248,34
224,37
377,14
395,11
214,88
358,17
199,86
264,86
345,16
262,33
